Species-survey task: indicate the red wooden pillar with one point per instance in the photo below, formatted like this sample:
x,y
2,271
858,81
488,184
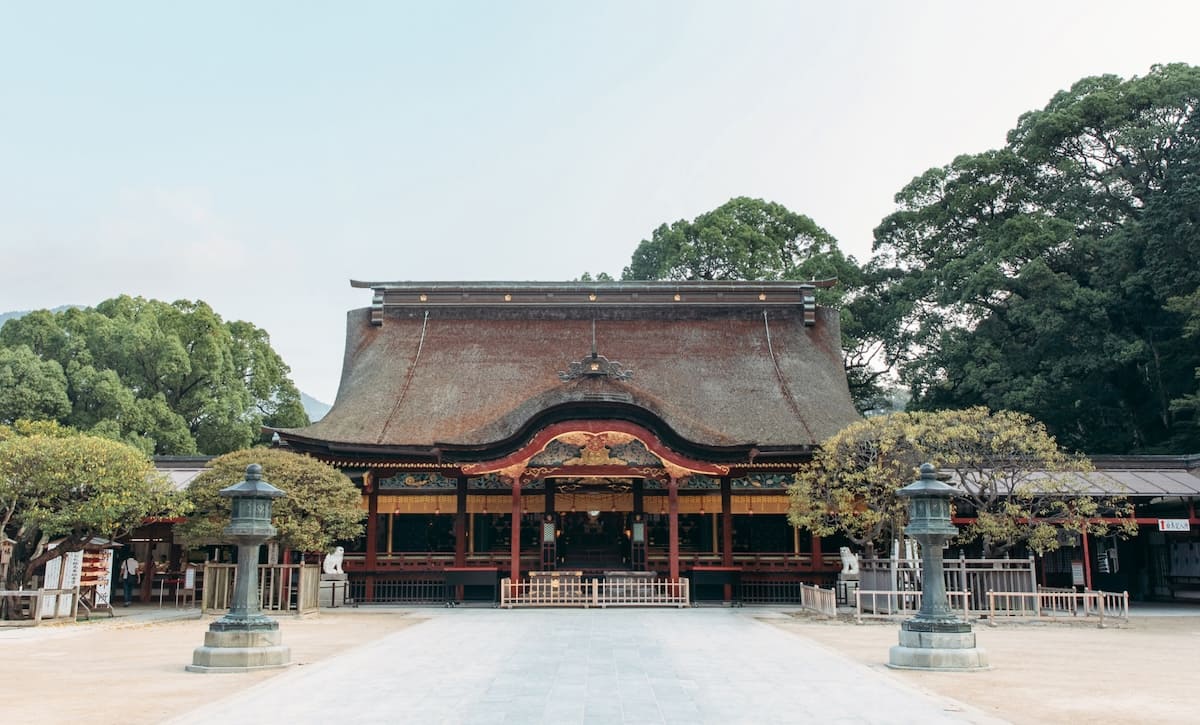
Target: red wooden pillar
x,y
516,529
726,522
816,562
673,526
460,523
460,530
1087,564
372,535
727,530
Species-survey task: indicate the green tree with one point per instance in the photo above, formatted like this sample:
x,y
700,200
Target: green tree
x,y
57,483
752,239
1013,481
1036,277
1189,307
741,239
167,378
30,387
321,507
850,485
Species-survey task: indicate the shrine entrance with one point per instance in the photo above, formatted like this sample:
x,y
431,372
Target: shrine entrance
x,y
593,541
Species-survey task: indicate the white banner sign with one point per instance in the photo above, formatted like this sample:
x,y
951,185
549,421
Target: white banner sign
x,y
1174,525
1077,574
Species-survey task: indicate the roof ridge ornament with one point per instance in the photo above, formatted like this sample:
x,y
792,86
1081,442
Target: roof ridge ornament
x,y
594,365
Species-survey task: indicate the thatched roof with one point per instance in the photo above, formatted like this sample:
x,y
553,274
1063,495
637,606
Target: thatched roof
x,y
469,368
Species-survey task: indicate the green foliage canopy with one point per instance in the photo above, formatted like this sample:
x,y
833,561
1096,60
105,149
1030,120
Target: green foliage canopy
x,y
321,506
752,239
57,483
1010,474
171,379
31,388
1037,277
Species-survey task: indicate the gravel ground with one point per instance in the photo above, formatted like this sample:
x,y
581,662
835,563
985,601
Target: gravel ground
x,y
1144,671
130,670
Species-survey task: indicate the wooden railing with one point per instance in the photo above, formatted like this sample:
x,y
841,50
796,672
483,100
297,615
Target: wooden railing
x,y
576,592
978,576
761,562
283,588
821,601
425,561
34,605
895,603
657,559
1043,604
1057,604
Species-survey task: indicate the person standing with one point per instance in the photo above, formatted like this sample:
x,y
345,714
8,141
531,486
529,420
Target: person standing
x,y
129,575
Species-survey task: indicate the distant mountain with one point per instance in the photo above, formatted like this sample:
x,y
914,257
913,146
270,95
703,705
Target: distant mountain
x,y
316,409
6,316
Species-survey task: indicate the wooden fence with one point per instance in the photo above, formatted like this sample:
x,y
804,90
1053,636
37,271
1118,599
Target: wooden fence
x,y
978,576
1044,604
578,592
282,588
31,606
816,599
894,604
1058,604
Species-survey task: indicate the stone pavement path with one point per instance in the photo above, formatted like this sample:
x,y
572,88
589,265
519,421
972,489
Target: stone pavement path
x,y
583,666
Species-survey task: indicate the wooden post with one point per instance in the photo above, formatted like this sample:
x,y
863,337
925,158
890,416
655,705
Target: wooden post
x,y
516,529
372,536
147,586
1087,564
816,561
460,530
726,532
673,526
460,524
372,528
726,522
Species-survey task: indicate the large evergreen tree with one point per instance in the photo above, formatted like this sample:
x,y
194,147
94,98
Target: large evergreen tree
x,y
752,239
1038,277
167,378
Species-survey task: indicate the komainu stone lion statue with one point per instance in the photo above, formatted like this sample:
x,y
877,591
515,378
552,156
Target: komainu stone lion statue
x,y
849,563
333,561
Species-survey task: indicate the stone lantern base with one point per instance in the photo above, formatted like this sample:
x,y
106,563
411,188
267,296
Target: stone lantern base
x,y
948,647
241,649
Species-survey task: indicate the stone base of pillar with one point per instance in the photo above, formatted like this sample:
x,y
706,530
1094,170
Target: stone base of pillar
x,y
241,651
334,591
942,651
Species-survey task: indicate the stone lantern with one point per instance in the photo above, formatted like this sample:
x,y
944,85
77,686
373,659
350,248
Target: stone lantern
x,y
245,639
935,639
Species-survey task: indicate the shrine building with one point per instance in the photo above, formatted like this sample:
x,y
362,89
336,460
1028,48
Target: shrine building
x,y
591,426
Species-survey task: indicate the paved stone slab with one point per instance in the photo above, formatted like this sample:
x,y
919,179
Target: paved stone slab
x,y
583,666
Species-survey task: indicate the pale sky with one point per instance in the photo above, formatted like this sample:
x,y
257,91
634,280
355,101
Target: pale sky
x,y
258,158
